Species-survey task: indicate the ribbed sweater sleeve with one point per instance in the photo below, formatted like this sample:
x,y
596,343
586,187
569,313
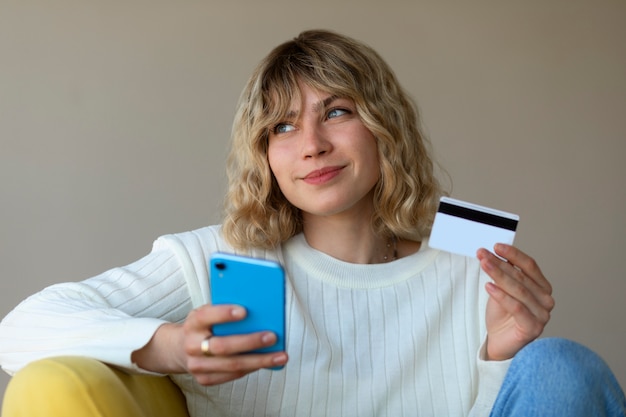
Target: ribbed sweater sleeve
x,y
106,317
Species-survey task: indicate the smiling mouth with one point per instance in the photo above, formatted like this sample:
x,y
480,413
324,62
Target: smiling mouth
x,y
323,175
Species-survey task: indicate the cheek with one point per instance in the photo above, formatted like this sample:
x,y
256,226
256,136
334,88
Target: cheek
x,y
276,163
371,153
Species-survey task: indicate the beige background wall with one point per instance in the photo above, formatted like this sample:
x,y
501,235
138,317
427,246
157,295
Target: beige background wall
x,y
115,115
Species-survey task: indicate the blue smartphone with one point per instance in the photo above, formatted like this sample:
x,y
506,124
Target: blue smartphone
x,y
258,285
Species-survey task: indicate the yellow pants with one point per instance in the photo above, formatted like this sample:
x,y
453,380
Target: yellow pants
x,y
76,386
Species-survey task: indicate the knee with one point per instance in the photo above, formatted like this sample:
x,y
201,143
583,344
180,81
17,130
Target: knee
x,y
565,367
555,377
561,357
60,387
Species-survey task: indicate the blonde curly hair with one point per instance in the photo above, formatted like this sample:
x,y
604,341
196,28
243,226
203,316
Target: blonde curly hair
x,y
407,193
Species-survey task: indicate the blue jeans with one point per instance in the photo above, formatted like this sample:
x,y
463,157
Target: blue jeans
x,y
558,377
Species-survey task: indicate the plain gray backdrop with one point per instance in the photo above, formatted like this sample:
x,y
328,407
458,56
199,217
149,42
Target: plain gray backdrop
x,y
115,120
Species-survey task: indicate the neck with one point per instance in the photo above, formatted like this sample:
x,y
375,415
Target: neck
x,y
349,241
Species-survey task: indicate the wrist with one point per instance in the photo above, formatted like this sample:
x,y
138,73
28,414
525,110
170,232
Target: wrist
x,y
164,352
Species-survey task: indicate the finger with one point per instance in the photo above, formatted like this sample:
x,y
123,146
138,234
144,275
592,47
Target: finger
x,y
525,263
215,378
204,317
527,325
519,281
515,283
236,344
214,370
521,286
199,322
517,300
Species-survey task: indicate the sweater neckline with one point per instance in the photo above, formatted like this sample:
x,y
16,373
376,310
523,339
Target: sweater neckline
x,y
349,275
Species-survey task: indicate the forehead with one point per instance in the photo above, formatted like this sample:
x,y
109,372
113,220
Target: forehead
x,y
304,97
312,98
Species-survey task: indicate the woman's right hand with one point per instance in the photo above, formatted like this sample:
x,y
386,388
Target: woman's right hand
x,y
176,348
227,359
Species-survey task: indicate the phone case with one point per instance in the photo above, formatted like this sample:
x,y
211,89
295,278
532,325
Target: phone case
x,y
256,284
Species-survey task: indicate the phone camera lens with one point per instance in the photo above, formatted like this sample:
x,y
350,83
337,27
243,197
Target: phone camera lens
x,y
220,265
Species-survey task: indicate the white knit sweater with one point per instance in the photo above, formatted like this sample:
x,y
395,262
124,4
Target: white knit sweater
x,y
395,339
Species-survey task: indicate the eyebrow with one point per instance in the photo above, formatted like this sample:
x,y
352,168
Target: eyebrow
x,y
317,107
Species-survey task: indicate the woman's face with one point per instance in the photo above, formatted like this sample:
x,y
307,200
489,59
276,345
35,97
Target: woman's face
x,y
323,157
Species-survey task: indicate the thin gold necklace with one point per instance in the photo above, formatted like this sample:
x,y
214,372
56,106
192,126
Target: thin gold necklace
x,y
392,244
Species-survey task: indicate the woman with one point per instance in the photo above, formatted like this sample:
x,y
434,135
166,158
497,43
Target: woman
x,y
330,175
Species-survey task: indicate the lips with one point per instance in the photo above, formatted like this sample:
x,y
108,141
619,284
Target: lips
x,y
320,176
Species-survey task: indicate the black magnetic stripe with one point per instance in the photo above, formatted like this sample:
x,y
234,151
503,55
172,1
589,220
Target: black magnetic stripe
x,y
477,216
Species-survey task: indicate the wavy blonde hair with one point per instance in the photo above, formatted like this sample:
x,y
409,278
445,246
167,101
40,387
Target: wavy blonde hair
x,y
406,195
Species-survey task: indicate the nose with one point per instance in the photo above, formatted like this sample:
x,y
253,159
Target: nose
x,y
314,141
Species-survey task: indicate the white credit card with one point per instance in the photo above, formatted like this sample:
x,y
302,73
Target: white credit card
x,y
463,228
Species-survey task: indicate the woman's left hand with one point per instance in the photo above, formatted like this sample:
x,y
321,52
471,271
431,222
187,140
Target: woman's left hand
x,y
520,301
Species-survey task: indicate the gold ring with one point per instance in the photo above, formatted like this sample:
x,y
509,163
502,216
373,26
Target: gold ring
x,y
205,347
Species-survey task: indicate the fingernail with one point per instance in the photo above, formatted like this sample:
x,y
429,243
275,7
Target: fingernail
x,y
499,247
268,338
279,359
488,265
492,288
238,312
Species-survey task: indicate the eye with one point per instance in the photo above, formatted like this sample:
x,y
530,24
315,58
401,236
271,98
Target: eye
x,y
282,128
336,112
